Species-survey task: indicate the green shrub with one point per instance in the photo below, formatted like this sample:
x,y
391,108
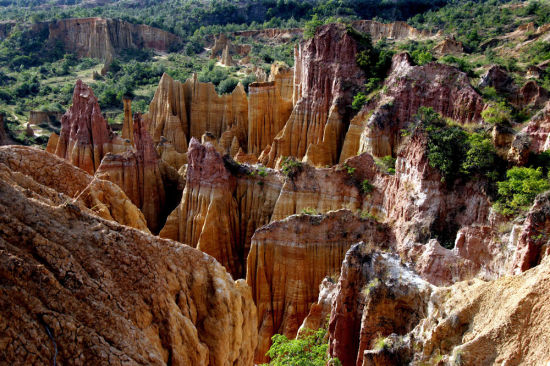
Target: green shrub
x,y
290,166
227,86
387,163
452,150
311,26
518,191
307,350
350,170
366,186
422,57
481,154
359,101
497,114
309,211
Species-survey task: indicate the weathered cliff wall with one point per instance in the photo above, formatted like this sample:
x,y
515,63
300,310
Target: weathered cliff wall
x,y
289,259
377,127
138,173
325,75
104,38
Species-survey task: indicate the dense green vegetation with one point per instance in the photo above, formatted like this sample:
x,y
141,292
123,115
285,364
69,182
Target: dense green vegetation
x,y
474,22
453,150
307,350
518,191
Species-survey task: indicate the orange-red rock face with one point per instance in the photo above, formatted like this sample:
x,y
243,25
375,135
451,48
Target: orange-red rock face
x,y
267,114
168,116
85,136
103,38
533,243
324,78
47,177
180,111
376,129
220,209
269,106
288,260
375,297
78,289
138,174
532,138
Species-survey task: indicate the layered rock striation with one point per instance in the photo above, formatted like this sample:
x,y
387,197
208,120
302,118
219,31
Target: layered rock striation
x,y
138,173
77,289
289,259
325,78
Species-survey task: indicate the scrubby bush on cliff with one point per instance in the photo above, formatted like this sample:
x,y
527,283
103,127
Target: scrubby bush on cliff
x,y
518,191
227,86
374,60
307,350
497,114
451,149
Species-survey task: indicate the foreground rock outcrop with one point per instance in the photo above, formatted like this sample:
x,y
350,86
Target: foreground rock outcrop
x,y
478,322
288,260
105,38
85,136
77,289
382,313
46,177
376,296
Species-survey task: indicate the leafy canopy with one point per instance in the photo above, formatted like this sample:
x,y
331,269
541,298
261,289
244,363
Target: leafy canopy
x,y
308,350
519,190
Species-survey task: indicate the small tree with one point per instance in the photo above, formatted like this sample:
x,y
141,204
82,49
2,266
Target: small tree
x,y
497,114
519,189
307,350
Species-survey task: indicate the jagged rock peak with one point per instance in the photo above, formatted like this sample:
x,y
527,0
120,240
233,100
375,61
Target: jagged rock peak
x,y
205,164
85,136
138,173
326,77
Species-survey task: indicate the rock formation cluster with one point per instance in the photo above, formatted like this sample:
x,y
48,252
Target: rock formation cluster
x,y
282,190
